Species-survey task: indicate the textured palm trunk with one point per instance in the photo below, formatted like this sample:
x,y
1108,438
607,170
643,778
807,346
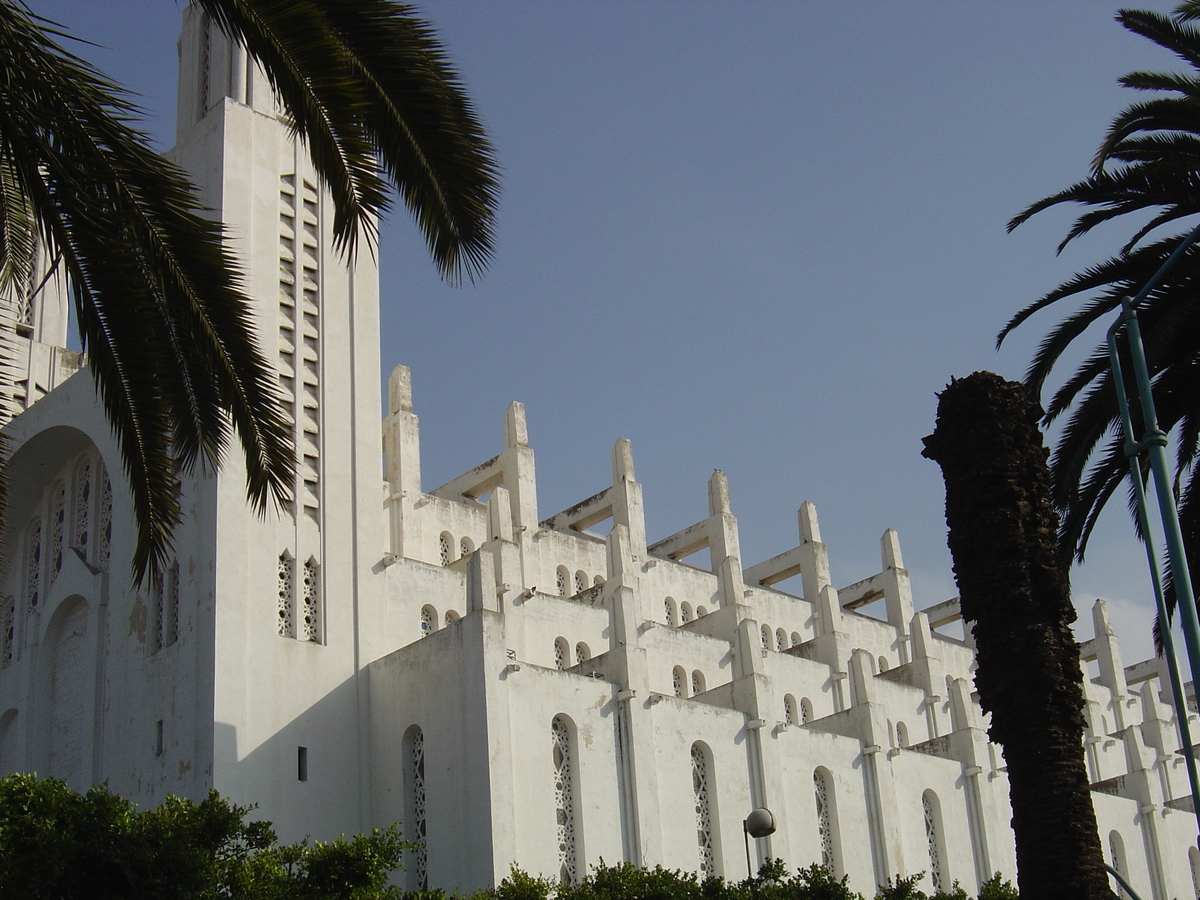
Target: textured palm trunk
x,y
1015,593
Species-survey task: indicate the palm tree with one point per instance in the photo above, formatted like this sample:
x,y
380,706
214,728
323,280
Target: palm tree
x,y
157,298
1014,591
1148,164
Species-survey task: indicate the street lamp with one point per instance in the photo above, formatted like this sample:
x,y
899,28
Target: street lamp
x,y
759,824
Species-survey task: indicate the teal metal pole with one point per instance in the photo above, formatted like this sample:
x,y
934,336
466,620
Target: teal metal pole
x,y
1133,454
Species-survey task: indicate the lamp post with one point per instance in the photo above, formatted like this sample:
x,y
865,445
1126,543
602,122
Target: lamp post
x,y
759,824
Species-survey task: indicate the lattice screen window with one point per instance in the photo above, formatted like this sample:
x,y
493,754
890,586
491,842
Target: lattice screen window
x,y
310,607
83,508
933,839
697,682
465,547
286,589
1194,866
806,712
105,525
33,566
700,793
171,606
789,710
685,612
564,801
428,618
824,819
766,637
158,614
781,640
58,527
419,832
582,653
563,578
669,611
677,677
581,582
8,627
560,653
444,541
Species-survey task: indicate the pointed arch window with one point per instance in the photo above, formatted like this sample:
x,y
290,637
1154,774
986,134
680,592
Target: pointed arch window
x,y
83,507
286,591
58,523
33,566
104,527
564,800
700,793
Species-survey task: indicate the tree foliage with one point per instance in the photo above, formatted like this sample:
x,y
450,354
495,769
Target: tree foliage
x,y
1146,173
56,844
157,296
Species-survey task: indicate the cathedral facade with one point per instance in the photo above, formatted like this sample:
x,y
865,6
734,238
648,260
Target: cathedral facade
x,y
514,687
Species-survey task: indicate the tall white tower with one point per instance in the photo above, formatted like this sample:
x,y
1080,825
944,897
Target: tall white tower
x,y
285,589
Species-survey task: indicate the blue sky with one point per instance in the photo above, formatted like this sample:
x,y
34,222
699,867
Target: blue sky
x,y
755,236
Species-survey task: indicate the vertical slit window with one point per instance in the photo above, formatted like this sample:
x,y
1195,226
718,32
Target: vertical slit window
x,y
58,521
8,626
33,566
105,526
416,799
83,507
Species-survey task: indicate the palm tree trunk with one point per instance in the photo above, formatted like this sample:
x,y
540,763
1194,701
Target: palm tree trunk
x,y
1014,591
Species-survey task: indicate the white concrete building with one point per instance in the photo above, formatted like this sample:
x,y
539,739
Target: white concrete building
x,y
515,687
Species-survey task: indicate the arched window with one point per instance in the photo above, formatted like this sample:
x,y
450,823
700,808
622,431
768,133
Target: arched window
x,y
83,508
685,611
286,591
465,547
1116,850
781,641
33,566
599,579
310,603
883,664
669,611
428,620
581,582
564,800
806,712
901,734
679,681
790,716
564,581
1194,866
701,789
697,682
938,875
825,819
417,867
766,637
445,542
451,617
701,611
582,653
796,639
562,652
